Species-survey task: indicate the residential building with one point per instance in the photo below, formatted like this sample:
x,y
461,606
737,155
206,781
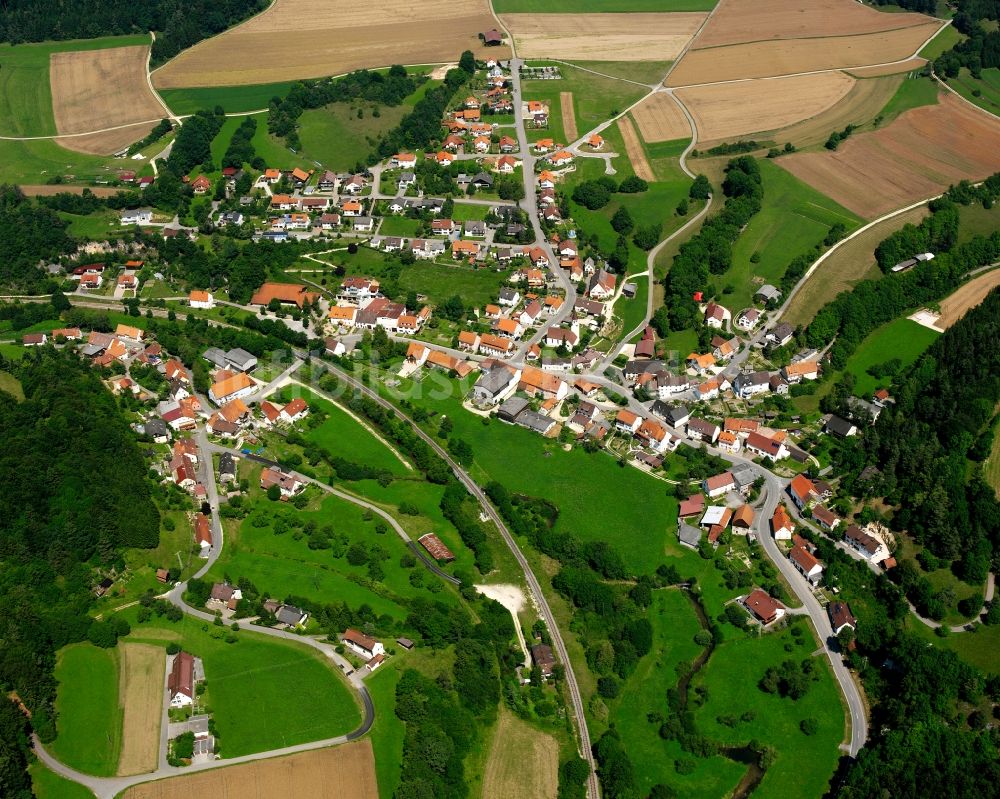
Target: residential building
x,y
363,644
806,564
763,607
180,681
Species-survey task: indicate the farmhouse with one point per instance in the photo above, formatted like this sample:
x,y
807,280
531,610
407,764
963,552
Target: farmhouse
x,y
288,484
202,532
201,299
764,608
702,430
180,682
806,564
766,447
802,491
797,372
781,524
363,644
825,517
236,387
867,545
719,485
292,616
284,293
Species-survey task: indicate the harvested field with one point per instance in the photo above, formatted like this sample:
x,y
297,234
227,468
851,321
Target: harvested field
x,y
918,155
968,296
568,116
733,109
659,118
851,263
97,89
634,149
341,772
143,671
738,21
332,38
900,68
593,37
523,762
47,190
792,56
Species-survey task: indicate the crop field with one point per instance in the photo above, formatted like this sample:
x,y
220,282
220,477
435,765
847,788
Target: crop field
x,y
523,762
97,89
764,59
851,263
968,296
233,99
592,6
89,727
320,707
659,118
738,21
631,37
901,339
143,668
330,39
916,156
902,67
341,772
568,116
633,147
648,72
732,109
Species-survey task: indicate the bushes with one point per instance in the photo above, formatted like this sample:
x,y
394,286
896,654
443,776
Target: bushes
x,y
240,150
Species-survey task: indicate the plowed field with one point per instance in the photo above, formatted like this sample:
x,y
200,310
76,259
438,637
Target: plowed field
x,y
659,118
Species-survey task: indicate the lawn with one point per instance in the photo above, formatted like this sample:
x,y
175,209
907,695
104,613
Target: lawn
x,y
438,283
233,99
263,694
987,87
974,220
25,93
593,6
273,150
991,467
901,339
29,162
913,92
47,784
466,212
388,732
399,226
89,724
794,218
96,226
980,648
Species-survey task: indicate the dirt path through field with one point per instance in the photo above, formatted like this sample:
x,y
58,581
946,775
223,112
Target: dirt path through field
x,y
640,165
568,115
143,667
968,296
523,763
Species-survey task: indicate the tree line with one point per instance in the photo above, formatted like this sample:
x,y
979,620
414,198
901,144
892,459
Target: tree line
x,y
981,47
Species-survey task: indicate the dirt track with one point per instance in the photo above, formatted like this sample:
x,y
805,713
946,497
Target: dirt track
x,y
143,669
302,39
659,118
968,296
568,116
636,154
342,772
97,89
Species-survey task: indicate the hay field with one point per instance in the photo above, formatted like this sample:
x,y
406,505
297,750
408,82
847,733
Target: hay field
x,y
968,296
899,68
300,39
733,109
636,154
97,89
49,189
568,116
792,56
659,118
918,155
342,772
141,687
523,762
738,21
593,37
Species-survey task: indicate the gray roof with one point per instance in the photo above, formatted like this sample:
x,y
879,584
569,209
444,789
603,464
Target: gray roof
x,y
227,464
743,474
512,407
768,292
216,356
495,380
155,427
535,421
780,332
289,614
644,366
753,379
839,426
508,293
240,357
688,535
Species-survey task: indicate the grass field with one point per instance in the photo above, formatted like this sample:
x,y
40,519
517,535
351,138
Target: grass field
x,y
233,99
522,762
902,339
338,139
11,385
388,731
25,93
794,218
319,706
142,670
980,648
47,784
605,6
467,212
648,72
913,92
96,226
974,220
399,226
37,161
945,40
991,468
89,727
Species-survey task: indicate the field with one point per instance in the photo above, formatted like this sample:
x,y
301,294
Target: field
x,y
739,21
899,68
734,109
903,339
852,262
388,732
991,467
342,772
47,190
89,727
320,706
648,72
794,218
47,784
97,89
914,157
233,99
912,93
762,59
585,6
984,92
438,283
659,118
330,39
633,147
142,673
523,762
631,37
568,116
968,296
11,385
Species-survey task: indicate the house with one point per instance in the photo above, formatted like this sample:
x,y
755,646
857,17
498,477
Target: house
x,y
749,384
840,427
34,339
295,411
241,359
74,334
354,184
596,141
362,224
358,290
468,341
200,185
702,430
496,345
692,506
652,434
806,564
288,484
202,532
729,442
561,158
129,281
700,363
156,429
542,657
767,293
403,160
129,332
688,536
508,144
235,387
718,485
748,319
825,517
744,475
509,297
292,616
766,447
284,293
201,299
743,519
436,548
627,422
802,491
709,389
601,285
764,608
180,681
227,468
781,524
535,382
868,545
560,337
797,372
723,350
509,328
363,644
841,617
224,592
780,335
342,316
136,216
716,315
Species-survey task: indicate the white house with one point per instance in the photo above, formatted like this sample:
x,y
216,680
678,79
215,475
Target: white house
x,y
362,644
806,564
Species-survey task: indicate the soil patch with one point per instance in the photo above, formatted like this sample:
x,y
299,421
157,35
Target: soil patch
x,y
968,296
568,115
636,154
659,118
141,687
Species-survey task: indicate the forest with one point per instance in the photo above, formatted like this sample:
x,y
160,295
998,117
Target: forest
x,y
29,234
74,494
981,48
178,23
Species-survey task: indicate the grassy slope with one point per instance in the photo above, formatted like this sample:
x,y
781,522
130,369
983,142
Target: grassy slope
x,y
233,99
11,385
388,732
296,696
902,338
945,40
913,92
90,719
988,87
795,217
977,221
342,435
47,784
592,6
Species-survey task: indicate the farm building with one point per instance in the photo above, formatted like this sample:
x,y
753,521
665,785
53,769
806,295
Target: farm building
x,y
435,546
